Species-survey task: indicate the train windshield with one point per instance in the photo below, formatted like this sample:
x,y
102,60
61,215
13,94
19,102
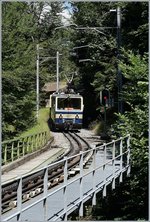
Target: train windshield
x,y
69,103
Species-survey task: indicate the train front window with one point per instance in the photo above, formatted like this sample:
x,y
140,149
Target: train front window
x,y
69,103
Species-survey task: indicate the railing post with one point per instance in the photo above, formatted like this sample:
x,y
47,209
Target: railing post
x,y
47,136
104,167
44,138
121,160
23,148
81,185
12,151
18,147
65,187
18,151
32,142
41,143
113,163
40,134
39,140
19,198
128,156
35,142
5,154
45,192
93,177
27,144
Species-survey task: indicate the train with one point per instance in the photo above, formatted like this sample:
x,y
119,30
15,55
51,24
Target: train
x,y
66,111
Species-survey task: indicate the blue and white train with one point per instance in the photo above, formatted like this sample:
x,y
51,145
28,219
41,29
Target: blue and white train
x,y
66,111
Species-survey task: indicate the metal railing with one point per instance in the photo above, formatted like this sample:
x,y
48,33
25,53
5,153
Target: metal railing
x,y
109,162
17,148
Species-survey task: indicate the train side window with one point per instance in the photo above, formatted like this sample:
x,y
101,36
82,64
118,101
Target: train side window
x,y
53,101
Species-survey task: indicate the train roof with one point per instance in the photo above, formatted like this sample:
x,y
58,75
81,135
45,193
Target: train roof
x,y
65,95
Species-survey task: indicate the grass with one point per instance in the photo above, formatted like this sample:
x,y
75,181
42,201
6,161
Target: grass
x,y
41,124
97,127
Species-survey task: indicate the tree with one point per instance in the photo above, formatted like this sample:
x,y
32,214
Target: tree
x,y
133,193
100,72
18,66
24,25
102,75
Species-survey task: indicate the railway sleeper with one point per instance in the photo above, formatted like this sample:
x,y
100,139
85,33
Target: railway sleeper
x,y
48,184
56,180
32,193
54,183
77,169
38,190
26,196
61,178
13,204
72,172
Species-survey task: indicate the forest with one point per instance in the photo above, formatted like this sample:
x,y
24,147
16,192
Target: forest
x,y
99,52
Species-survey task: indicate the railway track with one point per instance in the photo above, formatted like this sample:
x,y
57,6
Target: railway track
x,y
33,184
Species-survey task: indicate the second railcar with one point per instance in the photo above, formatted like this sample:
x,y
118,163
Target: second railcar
x,y
66,111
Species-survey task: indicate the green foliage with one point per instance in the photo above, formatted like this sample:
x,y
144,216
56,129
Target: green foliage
x,y
18,76
23,26
41,124
135,72
102,74
16,112
135,122
135,32
123,202
103,42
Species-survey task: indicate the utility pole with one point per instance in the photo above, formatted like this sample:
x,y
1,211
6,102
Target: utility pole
x,y
57,72
37,81
0,108
119,74
120,102
38,63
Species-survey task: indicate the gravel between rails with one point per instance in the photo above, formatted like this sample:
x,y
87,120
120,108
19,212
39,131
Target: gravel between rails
x,y
60,141
90,136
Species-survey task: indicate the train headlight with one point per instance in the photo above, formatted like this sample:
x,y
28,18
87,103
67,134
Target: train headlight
x,y
60,116
76,119
61,120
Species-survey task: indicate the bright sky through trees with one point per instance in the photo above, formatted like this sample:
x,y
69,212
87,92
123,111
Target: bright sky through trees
x,y
67,12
